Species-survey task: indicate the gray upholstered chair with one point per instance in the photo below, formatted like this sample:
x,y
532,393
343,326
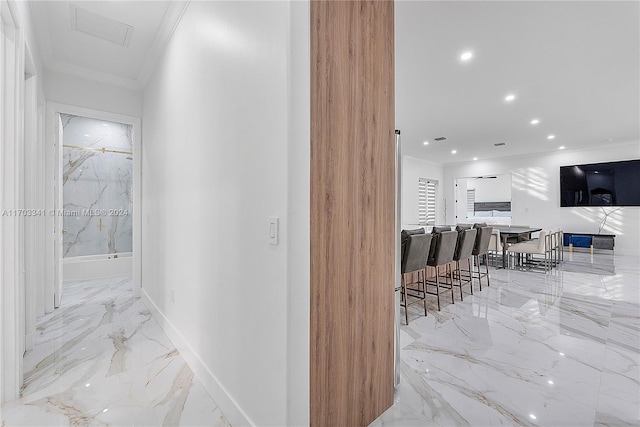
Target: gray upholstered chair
x,y
414,259
443,249
481,249
464,249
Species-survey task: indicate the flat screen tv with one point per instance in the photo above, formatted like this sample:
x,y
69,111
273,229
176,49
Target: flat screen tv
x,y
601,184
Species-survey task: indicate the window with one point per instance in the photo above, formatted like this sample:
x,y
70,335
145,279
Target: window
x,y
471,201
426,201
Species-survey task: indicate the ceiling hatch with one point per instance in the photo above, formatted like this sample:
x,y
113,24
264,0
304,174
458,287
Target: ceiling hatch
x,y
100,26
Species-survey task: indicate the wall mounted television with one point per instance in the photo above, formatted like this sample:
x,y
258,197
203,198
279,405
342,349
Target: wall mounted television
x,y
601,184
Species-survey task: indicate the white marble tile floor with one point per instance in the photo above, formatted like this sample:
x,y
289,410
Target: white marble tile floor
x,y
102,360
533,349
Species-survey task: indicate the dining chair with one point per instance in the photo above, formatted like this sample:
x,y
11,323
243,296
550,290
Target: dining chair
x,y
414,259
495,244
481,249
525,252
443,247
464,249
519,238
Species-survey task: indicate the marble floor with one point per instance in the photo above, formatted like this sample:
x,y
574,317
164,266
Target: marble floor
x,y
533,349
102,360
559,349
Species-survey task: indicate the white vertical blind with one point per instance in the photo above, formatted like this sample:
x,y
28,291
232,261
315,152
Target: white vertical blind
x,y
471,200
426,201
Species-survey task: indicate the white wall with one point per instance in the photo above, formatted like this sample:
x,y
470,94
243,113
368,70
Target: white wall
x,y
79,92
219,158
21,147
413,169
536,192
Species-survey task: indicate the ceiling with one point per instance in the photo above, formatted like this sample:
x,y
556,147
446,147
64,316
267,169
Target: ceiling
x,y
575,66
79,53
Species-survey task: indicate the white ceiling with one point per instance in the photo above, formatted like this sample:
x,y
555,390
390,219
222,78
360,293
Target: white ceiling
x,y
85,55
573,65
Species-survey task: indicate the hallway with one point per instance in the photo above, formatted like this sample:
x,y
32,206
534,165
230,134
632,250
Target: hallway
x,y
101,359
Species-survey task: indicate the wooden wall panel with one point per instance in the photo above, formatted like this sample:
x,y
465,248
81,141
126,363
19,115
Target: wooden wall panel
x,y
352,211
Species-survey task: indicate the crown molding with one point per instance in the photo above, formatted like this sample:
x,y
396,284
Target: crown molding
x,y
91,74
167,27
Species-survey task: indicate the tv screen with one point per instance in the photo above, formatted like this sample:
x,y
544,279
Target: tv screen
x,y
601,184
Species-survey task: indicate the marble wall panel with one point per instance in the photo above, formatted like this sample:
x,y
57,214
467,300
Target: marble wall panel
x,y
97,199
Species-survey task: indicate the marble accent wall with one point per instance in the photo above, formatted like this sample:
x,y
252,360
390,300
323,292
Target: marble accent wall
x,y
98,203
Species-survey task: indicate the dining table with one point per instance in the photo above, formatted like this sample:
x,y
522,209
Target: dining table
x,y
507,232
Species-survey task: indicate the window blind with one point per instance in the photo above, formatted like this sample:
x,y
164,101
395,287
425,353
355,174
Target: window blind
x,y
426,201
471,201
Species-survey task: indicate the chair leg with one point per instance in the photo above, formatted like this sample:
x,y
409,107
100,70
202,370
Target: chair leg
x,y
476,260
424,289
486,264
438,288
404,295
459,277
469,262
448,268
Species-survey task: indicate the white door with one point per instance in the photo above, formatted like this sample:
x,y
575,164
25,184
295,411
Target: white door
x,y
59,231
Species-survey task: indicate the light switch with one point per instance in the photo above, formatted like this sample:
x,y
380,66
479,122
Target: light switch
x,y
273,230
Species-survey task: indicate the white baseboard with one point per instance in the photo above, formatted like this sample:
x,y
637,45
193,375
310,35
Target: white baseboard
x,y
229,407
28,342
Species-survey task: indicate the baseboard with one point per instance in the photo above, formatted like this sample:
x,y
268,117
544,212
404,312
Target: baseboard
x,y
229,407
28,342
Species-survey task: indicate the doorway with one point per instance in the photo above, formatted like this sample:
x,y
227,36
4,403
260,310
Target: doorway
x,y
96,196
97,202
484,199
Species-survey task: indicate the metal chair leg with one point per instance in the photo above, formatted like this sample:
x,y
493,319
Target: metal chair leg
x,y
406,301
469,262
486,264
437,288
424,289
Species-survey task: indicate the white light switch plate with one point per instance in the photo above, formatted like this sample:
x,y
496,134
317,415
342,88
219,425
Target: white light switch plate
x,y
274,230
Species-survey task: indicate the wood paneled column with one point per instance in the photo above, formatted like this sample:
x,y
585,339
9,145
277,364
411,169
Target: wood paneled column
x,y
352,211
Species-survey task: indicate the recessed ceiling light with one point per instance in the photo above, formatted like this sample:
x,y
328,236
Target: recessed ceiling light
x,y
551,137
475,158
454,151
87,135
466,56
104,124
550,382
561,148
533,417
535,121
425,143
510,97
